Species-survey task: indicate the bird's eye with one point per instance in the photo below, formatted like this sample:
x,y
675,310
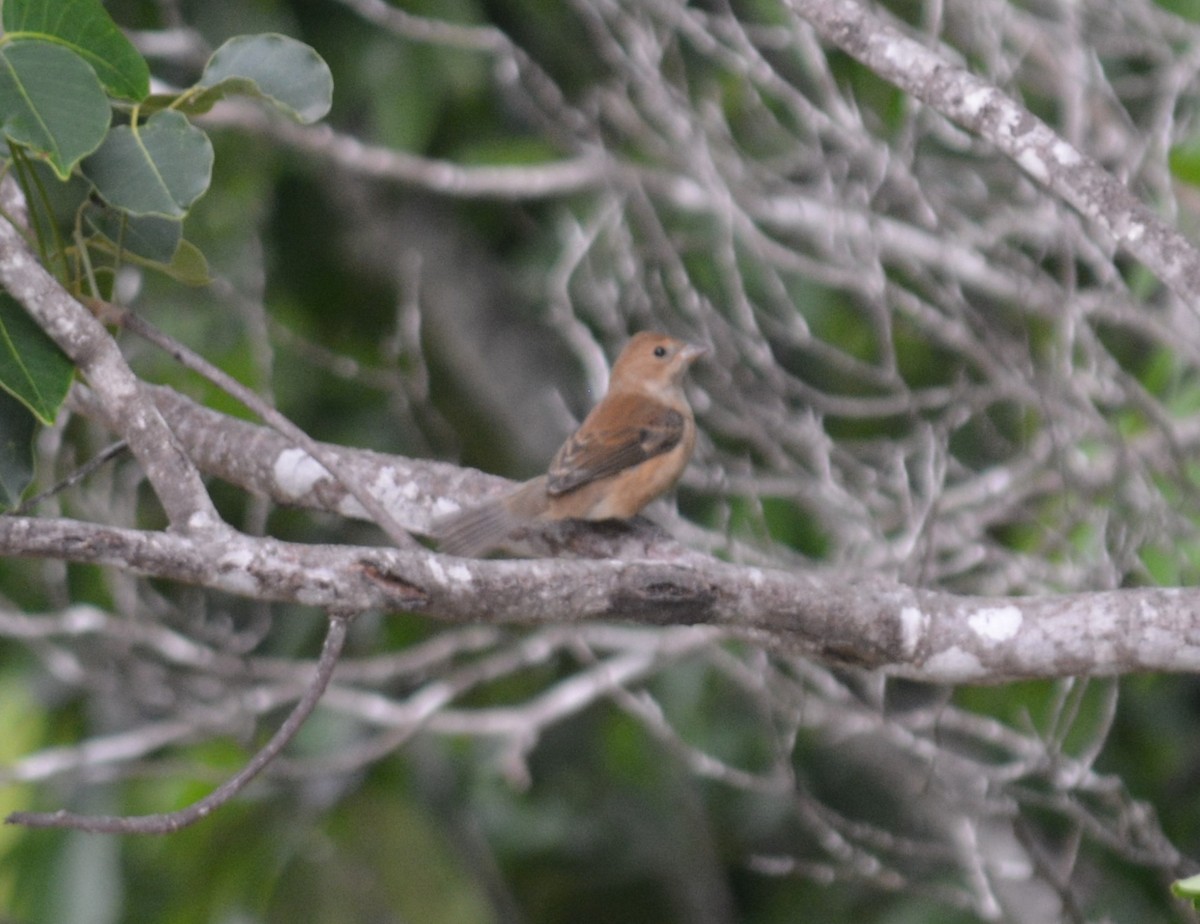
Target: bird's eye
x,y
660,351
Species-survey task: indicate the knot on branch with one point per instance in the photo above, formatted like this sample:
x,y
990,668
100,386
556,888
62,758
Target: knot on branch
x,y
400,590
686,600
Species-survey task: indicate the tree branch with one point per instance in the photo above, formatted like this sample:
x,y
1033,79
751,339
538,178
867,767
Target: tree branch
x,y
126,407
520,183
980,107
168,822
316,452
877,624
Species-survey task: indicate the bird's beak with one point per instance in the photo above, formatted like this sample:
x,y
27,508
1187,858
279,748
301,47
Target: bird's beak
x,y
692,352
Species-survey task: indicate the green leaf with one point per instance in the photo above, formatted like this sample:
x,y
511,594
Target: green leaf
x,y
17,429
188,265
159,168
150,241
32,367
51,102
273,67
84,27
1188,888
151,237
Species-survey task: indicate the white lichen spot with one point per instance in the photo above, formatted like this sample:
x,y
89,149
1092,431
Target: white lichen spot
x,y
1031,162
384,482
444,506
1065,154
953,665
296,472
1135,232
236,577
900,53
438,572
460,573
241,583
996,623
202,520
350,506
913,623
756,577
237,558
975,101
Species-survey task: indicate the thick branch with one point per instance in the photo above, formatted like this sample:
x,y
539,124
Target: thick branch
x,y
126,407
981,108
879,624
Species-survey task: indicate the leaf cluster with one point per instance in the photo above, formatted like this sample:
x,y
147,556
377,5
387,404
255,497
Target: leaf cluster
x,y
110,171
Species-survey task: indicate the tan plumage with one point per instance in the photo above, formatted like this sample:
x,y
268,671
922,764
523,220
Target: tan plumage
x,y
630,449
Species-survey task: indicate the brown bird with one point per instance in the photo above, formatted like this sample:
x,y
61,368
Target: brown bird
x,y
631,448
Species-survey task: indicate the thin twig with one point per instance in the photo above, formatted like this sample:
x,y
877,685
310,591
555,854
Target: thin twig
x,y
104,455
166,823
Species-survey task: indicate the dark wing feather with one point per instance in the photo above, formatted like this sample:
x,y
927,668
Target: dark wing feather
x,y
646,429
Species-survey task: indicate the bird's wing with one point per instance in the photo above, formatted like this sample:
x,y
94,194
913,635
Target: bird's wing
x,y
629,430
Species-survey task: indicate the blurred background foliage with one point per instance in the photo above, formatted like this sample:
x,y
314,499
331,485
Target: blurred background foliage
x,y
383,315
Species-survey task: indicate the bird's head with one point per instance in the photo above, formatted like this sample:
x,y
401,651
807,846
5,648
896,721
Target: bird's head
x,y
653,362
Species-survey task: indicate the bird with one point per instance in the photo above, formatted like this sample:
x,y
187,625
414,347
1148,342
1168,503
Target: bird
x,y
630,449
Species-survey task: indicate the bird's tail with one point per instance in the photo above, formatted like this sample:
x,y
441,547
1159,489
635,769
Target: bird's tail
x,y
478,530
